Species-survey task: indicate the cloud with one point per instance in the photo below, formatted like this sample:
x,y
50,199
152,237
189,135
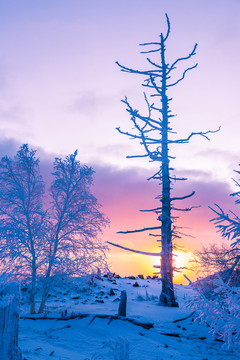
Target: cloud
x,y
222,155
89,103
8,147
3,82
11,113
85,103
123,192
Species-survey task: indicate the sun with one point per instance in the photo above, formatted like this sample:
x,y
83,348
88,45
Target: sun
x,y
181,259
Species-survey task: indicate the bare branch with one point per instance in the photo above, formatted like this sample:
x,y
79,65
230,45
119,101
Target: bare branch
x,y
183,197
136,156
139,230
183,58
128,134
153,124
148,210
135,251
169,28
150,43
154,64
186,209
183,76
149,51
177,178
203,134
155,176
129,70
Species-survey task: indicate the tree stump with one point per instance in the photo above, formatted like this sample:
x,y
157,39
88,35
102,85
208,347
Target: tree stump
x,y
9,321
122,304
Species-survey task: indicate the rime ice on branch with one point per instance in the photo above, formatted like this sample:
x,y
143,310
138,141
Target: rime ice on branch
x,y
153,132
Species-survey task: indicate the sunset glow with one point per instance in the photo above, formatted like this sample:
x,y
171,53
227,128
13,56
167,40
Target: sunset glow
x,y
181,259
61,90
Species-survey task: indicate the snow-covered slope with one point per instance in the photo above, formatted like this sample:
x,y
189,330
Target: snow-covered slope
x,y
78,339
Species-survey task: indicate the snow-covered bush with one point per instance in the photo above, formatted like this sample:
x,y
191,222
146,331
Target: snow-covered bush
x,y
218,300
147,297
220,311
120,348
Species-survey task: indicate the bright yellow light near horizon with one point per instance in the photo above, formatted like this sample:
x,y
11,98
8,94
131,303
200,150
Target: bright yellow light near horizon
x,y
181,259
126,263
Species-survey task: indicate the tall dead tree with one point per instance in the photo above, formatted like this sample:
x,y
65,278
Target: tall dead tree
x,y
154,133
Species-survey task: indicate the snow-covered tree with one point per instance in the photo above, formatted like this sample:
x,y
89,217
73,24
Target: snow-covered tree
x,y
154,132
75,222
216,258
38,239
218,299
22,218
228,225
219,308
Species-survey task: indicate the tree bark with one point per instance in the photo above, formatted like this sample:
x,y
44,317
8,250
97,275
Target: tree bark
x,y
46,284
33,291
167,297
9,321
46,288
123,304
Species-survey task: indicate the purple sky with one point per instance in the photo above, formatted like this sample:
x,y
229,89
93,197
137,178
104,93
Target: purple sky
x,y
60,90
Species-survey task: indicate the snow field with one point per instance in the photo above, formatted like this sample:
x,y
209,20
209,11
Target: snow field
x,y
76,339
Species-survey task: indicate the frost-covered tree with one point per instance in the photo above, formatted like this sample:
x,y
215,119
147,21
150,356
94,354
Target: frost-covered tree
x,y
218,299
228,225
219,308
22,218
217,258
38,239
154,132
223,257
75,222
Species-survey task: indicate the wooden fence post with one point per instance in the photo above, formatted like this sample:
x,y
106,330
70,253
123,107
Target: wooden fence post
x,y
9,321
123,304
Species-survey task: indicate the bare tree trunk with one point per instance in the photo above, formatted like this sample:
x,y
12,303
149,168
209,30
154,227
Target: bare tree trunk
x,y
44,296
123,304
33,291
230,272
46,287
152,131
167,297
9,320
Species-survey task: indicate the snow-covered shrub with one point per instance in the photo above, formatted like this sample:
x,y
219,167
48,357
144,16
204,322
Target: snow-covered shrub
x,y
147,297
94,357
120,348
221,311
218,300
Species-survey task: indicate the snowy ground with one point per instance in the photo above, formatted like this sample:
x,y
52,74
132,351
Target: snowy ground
x,y
77,339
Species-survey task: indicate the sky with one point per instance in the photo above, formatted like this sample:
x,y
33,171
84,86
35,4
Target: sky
x,y
61,90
